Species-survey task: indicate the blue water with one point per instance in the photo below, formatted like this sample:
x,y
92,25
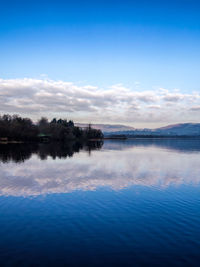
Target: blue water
x,y
128,203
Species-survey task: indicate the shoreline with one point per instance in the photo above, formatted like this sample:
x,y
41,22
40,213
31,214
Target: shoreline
x,y
99,140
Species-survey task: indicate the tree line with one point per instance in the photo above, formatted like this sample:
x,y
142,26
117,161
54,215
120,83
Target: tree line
x,y
24,129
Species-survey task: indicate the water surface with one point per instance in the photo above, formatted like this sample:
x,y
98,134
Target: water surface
x,y
121,203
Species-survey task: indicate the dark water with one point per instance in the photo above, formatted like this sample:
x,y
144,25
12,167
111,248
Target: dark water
x,y
124,203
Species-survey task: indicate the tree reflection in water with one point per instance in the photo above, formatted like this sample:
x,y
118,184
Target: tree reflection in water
x,y
22,152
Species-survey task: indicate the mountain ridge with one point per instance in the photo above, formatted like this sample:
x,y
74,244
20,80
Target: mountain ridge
x,y
179,129
107,127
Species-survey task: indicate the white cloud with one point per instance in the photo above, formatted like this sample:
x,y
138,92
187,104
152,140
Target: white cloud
x,y
154,106
173,97
116,104
195,108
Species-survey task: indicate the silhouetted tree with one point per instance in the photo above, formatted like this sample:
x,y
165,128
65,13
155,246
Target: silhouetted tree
x,y
18,128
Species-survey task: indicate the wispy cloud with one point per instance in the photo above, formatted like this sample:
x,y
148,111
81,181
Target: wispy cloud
x,y
115,104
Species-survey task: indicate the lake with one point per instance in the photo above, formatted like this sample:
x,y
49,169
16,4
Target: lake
x,y
117,203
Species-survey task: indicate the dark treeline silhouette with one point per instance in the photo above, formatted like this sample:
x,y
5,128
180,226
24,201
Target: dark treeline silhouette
x,y
23,129
22,152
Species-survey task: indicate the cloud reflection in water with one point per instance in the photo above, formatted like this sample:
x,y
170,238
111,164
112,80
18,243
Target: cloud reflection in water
x,y
117,165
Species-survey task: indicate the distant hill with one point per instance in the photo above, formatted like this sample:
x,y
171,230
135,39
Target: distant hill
x,y
107,127
182,129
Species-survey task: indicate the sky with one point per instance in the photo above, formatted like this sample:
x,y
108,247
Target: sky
x,y
119,62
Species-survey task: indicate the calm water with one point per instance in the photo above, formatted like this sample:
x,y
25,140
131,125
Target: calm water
x,y
123,203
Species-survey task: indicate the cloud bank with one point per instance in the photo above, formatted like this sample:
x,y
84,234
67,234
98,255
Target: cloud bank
x,y
115,104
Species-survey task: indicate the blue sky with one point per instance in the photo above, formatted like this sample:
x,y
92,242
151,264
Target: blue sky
x,y
140,45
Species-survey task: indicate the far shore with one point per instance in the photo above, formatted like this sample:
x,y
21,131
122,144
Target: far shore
x,y
101,139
